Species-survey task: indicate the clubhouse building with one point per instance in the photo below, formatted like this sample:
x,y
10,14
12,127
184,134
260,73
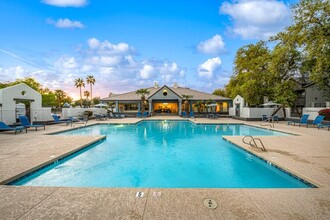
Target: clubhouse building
x,y
167,100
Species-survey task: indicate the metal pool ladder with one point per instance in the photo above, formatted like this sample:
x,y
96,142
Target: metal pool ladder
x,y
253,143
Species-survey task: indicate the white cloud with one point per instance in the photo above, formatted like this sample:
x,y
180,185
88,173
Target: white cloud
x,y
65,23
106,47
66,3
215,45
257,19
209,68
147,71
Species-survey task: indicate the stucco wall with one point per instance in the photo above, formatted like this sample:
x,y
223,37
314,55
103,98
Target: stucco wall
x,y
10,94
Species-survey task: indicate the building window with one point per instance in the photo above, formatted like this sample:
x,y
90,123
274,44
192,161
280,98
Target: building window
x,y
130,107
164,92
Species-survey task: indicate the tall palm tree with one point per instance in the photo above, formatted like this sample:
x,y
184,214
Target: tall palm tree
x,y
142,93
199,105
186,102
91,80
78,84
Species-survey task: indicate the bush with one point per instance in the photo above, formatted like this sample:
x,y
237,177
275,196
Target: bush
x,y
89,113
325,113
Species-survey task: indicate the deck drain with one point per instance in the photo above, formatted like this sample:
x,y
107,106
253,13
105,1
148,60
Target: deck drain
x,y
210,203
139,194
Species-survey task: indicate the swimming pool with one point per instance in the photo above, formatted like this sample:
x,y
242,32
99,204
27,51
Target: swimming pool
x,y
164,154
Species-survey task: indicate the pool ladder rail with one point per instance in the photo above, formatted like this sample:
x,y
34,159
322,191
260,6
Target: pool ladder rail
x,y
253,142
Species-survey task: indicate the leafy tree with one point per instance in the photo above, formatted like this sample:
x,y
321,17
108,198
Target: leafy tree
x,y
220,92
48,99
96,100
91,81
251,77
79,82
312,26
142,93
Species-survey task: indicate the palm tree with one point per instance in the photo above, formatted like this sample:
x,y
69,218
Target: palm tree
x,y
59,96
86,94
91,80
186,102
209,102
199,105
79,83
143,93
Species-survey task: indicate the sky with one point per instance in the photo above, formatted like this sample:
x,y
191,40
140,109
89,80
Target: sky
x,y
131,44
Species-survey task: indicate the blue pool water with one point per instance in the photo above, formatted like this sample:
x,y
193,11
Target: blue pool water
x,y
164,154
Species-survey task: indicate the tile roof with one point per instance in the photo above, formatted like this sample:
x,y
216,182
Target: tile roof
x,y
197,95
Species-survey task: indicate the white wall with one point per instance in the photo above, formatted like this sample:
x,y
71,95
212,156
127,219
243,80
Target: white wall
x,y
7,99
313,112
258,112
66,112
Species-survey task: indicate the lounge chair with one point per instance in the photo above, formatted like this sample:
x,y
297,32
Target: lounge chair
x,y
139,115
146,114
184,114
303,120
192,115
317,121
75,120
25,122
58,121
5,127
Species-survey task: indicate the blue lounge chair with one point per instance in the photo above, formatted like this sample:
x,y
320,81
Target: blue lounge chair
x,y
25,122
303,120
139,115
5,127
74,120
317,121
192,115
145,114
58,121
184,114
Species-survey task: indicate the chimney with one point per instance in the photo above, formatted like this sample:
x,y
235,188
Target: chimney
x,y
156,85
175,85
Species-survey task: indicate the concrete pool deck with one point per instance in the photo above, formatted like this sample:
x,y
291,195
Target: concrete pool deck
x,y
306,155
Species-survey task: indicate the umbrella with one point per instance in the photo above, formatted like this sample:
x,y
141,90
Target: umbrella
x,y
101,105
66,105
270,103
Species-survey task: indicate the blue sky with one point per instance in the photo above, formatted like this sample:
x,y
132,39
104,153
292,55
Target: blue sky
x,y
130,44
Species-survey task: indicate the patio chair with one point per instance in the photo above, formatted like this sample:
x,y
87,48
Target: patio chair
x,y
184,114
58,121
192,115
139,115
5,127
75,120
317,121
25,122
303,120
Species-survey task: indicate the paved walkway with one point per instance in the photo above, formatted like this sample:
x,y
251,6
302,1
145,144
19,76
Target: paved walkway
x,y
306,155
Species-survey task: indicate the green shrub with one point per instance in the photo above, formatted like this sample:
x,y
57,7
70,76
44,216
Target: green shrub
x,y
325,113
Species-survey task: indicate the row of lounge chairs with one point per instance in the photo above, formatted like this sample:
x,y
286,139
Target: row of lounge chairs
x,y
317,122
25,124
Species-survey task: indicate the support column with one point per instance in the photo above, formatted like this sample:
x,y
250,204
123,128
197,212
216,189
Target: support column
x,y
180,107
139,106
150,107
117,107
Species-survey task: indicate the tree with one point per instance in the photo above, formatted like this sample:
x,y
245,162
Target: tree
x,y
78,84
251,76
59,96
312,28
186,102
91,81
142,93
220,92
86,94
199,105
